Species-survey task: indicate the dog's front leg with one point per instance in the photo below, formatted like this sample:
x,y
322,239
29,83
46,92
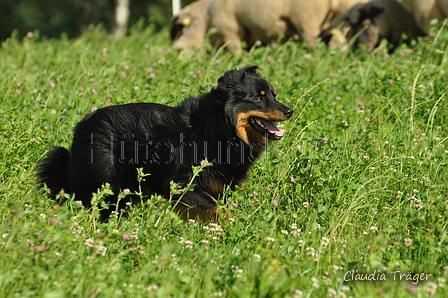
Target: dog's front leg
x,y
196,204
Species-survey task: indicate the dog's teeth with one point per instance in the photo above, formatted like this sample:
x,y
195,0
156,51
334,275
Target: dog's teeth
x,y
279,133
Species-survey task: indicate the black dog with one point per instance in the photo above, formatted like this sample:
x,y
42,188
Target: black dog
x,y
229,126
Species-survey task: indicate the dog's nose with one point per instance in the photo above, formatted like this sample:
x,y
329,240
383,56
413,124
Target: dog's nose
x,y
289,113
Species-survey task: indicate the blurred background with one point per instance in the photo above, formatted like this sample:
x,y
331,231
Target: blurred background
x,y
69,18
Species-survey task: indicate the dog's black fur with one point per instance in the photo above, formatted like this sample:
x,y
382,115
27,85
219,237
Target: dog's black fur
x,y
223,126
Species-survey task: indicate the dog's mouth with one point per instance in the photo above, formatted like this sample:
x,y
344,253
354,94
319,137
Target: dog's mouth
x,y
266,127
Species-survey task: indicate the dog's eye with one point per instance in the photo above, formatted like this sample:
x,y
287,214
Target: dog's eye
x,y
259,99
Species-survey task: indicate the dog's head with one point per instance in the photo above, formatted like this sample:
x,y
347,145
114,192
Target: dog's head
x,y
250,101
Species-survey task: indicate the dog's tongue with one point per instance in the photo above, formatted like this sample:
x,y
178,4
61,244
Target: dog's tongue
x,y
272,128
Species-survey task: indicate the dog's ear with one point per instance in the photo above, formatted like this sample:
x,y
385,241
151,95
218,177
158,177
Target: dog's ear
x,y
250,69
366,12
355,16
233,77
375,11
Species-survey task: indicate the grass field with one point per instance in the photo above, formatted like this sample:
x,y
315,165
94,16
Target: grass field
x,y
357,188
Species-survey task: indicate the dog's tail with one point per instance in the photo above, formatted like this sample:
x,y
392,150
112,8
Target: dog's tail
x,y
53,170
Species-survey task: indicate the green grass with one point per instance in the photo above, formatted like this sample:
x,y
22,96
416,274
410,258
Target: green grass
x,y
360,180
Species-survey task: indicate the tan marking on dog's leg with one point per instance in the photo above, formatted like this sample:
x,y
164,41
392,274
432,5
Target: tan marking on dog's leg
x,y
186,213
216,188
